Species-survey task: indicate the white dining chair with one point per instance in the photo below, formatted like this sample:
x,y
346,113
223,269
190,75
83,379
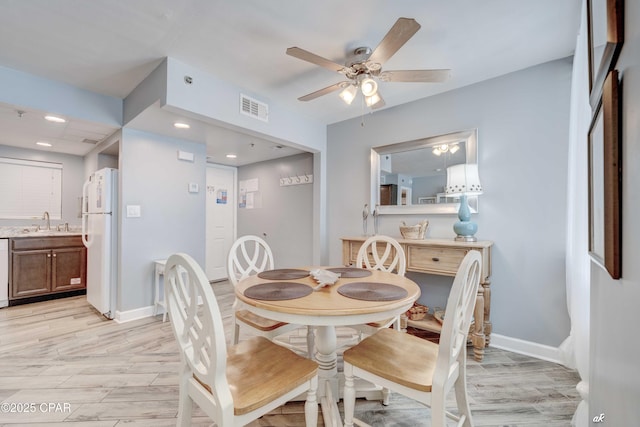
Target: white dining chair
x,y
251,255
234,385
418,368
382,253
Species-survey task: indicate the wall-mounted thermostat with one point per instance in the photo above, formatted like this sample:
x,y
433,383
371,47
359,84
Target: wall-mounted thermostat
x,y
133,211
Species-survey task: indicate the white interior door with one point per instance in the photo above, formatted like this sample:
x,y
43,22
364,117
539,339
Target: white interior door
x,y
221,218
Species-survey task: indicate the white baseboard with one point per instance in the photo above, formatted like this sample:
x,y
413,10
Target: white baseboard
x,y
135,314
528,348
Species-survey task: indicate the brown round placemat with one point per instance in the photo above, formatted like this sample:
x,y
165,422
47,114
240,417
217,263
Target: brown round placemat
x,y
372,291
350,272
283,274
277,291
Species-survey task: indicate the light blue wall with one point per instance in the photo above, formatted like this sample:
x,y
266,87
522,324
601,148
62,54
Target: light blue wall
x,y
172,220
285,214
217,102
72,180
523,126
23,89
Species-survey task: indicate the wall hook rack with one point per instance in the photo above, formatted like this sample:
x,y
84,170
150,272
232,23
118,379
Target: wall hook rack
x,y
296,180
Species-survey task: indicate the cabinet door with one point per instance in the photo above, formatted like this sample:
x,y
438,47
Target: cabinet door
x,y
30,273
68,267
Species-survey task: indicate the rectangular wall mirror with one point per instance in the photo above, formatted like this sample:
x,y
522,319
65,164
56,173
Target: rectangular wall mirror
x,y
409,177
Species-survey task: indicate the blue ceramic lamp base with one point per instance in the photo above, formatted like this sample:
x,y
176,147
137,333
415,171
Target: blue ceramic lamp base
x,y
465,228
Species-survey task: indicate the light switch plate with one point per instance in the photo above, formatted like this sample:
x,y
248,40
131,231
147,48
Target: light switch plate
x,y
193,187
133,211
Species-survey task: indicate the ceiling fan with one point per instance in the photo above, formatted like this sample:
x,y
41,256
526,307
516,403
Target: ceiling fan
x,y
364,66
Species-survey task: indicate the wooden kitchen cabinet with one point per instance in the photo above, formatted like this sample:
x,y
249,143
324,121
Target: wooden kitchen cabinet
x,y
46,266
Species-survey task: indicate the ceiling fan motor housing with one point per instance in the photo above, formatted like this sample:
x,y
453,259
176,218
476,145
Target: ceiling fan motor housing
x,y
357,63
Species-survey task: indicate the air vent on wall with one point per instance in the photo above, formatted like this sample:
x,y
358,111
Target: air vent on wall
x,y
253,108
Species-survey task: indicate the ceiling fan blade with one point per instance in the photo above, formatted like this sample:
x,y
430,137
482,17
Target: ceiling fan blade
x,y
324,91
402,30
415,75
296,52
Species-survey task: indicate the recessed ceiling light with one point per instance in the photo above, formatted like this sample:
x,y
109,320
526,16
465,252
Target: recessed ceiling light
x,y
55,119
43,144
181,125
231,156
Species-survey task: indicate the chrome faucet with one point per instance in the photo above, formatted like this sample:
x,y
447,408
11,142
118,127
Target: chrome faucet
x,y
46,218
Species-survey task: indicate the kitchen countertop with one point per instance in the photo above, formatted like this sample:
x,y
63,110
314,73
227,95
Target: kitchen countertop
x,y
12,232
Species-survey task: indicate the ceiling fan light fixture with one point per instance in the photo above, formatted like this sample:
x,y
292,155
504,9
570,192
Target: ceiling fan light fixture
x,y
454,148
373,66
349,94
436,151
369,87
372,100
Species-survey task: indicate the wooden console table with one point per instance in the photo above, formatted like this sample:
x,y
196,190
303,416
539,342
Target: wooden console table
x,y
442,257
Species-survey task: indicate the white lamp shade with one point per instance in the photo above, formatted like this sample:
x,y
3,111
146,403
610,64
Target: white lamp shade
x,y
372,100
348,94
368,86
463,179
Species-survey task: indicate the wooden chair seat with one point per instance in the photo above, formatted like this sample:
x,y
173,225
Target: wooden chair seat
x,y
258,322
381,324
255,369
385,354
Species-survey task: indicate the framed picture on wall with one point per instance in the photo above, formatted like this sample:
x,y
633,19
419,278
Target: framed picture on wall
x,y
605,179
605,19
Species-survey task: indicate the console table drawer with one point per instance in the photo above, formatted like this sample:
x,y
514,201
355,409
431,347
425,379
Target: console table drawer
x,y
431,259
354,247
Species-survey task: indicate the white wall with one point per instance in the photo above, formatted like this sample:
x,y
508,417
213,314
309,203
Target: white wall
x,y
285,214
614,379
522,120
72,180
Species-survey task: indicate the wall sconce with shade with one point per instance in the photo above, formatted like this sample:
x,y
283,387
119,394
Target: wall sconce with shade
x,y
463,181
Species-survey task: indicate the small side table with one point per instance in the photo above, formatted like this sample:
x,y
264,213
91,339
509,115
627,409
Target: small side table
x,y
159,302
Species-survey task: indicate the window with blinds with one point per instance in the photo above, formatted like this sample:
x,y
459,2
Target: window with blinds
x,y
29,188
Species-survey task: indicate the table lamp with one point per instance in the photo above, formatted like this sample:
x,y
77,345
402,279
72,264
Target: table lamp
x,y
463,181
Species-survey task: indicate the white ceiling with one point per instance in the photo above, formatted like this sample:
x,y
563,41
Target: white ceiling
x,y
110,46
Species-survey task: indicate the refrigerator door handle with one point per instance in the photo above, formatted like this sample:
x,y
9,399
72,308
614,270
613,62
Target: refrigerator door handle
x,y
86,239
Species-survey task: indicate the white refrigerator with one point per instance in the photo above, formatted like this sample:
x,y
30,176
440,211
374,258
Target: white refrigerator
x,y
99,235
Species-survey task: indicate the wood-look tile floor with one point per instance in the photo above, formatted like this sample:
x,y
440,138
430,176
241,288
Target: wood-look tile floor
x,y
60,362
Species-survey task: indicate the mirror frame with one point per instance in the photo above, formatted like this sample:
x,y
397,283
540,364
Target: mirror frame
x,y
470,138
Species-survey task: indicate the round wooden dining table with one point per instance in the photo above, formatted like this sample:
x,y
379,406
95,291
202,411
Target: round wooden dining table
x,y
370,297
